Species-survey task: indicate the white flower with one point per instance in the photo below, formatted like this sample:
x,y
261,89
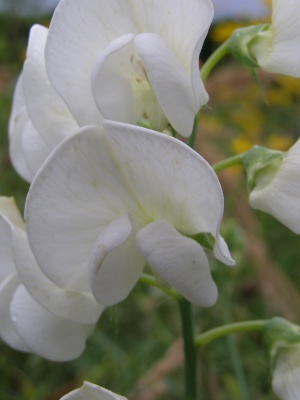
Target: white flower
x,y
286,374
111,58
108,201
277,189
276,49
39,118
89,391
50,326
124,60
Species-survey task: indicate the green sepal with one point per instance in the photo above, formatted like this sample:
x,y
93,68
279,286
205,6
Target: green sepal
x,y
240,44
206,240
279,333
260,160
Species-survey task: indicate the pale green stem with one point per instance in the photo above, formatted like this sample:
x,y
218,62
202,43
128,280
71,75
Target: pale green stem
x,y
237,327
190,353
228,162
192,138
151,281
213,60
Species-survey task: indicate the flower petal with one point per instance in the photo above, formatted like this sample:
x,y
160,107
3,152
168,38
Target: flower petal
x,y
17,121
85,191
7,265
280,197
181,189
34,148
80,307
8,332
76,37
171,84
48,113
89,391
115,264
108,78
179,260
9,209
47,335
285,381
276,50
91,179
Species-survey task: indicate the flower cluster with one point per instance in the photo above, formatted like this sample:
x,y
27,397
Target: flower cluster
x,y
108,59
107,197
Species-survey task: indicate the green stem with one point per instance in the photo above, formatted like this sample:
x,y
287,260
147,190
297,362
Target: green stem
x,y
228,162
151,281
192,138
237,327
190,353
213,60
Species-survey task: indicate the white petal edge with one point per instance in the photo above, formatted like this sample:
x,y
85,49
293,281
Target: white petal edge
x,y
179,260
115,264
47,111
79,307
90,391
280,197
17,120
276,49
49,336
8,332
171,84
111,89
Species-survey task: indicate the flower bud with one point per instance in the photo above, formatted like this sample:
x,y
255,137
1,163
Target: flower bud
x,y
240,44
274,183
283,340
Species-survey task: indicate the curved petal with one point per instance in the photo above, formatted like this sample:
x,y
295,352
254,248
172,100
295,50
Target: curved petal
x,y
48,113
8,332
276,50
9,209
17,121
182,23
85,191
115,264
280,197
118,75
110,85
34,148
179,260
222,253
89,391
285,381
91,179
181,187
47,335
170,82
80,307
77,35
7,266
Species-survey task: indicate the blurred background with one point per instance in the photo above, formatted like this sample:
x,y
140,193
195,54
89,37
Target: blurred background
x,y
135,351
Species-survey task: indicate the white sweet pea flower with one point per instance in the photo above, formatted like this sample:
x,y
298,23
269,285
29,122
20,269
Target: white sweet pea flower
x,y
277,188
126,60
108,201
39,118
90,391
276,48
282,338
286,374
50,327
